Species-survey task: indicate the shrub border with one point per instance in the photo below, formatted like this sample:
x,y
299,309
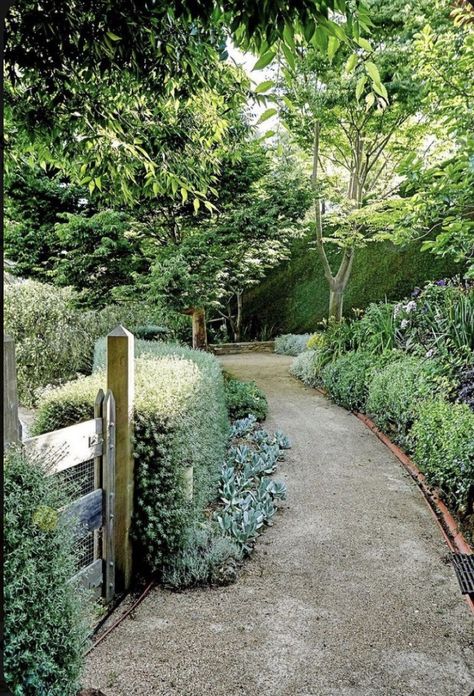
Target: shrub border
x,y
444,519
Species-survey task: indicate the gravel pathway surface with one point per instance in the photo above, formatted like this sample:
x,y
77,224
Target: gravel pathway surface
x,y
348,594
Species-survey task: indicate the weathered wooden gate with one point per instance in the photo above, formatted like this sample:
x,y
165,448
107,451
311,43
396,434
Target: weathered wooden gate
x,y
83,457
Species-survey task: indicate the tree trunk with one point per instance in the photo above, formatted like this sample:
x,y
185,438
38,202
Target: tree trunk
x,y
238,319
336,300
199,328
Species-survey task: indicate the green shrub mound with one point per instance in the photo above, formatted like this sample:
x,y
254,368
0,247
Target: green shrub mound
x,y
346,379
50,337
245,398
46,623
54,339
396,392
180,421
307,367
443,437
291,344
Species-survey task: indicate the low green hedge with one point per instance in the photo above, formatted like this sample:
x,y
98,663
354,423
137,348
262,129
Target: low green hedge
x,y
244,399
46,622
396,392
443,437
180,421
346,379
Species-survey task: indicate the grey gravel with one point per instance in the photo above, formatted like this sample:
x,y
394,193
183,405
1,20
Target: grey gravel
x,y
348,594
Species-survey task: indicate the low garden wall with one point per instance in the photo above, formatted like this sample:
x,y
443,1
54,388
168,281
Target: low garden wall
x,y
235,348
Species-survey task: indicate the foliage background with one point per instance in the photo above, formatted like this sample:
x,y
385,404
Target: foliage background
x,y
294,297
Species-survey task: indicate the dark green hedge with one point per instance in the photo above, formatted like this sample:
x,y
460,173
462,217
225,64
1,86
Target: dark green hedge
x,y
294,297
46,619
180,421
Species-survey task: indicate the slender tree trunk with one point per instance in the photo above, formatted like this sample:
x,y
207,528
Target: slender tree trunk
x,y
199,328
337,283
336,301
238,319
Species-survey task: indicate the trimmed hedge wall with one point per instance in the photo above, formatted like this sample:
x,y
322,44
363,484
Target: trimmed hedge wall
x,y
295,296
180,421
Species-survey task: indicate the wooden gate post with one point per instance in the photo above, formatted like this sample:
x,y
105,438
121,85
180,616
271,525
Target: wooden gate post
x,y
11,423
121,382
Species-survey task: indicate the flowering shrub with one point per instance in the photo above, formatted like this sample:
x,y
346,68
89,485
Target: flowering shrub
x,y
317,340
438,322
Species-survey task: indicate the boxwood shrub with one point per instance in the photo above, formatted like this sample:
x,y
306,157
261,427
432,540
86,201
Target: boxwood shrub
x,y
180,421
46,620
397,390
244,399
443,437
346,379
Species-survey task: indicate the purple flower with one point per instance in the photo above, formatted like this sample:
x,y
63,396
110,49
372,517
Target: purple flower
x,y
441,283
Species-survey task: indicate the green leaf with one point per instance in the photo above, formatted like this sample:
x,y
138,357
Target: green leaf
x,y
266,115
351,62
363,43
196,204
370,100
289,36
264,86
309,29
290,58
267,134
320,38
360,86
113,36
288,102
333,45
264,60
373,71
381,90
184,194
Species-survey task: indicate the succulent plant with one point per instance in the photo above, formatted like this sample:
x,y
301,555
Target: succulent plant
x,y
282,440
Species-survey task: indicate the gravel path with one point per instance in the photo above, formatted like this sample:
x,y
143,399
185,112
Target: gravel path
x,y
348,594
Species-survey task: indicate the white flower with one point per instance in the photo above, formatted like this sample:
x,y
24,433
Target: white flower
x,y
410,306
429,353
397,309
404,323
